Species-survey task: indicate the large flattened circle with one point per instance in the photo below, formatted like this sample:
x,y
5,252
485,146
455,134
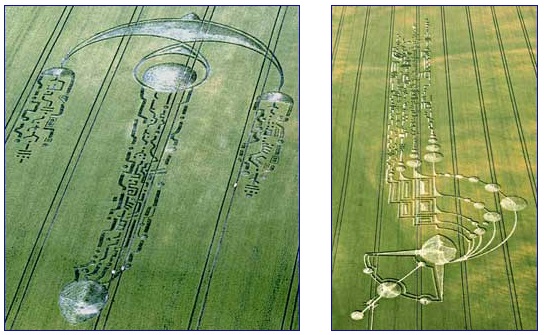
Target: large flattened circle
x,y
169,77
82,300
389,289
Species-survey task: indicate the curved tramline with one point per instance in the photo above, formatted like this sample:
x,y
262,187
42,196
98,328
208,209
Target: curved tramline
x,y
452,227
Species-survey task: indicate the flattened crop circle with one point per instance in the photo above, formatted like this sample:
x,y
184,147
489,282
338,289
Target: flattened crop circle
x,y
513,204
389,289
169,77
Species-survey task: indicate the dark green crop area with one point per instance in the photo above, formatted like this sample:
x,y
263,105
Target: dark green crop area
x,y
152,194
483,95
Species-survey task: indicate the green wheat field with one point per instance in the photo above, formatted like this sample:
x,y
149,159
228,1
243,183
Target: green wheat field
x,y
461,82
183,205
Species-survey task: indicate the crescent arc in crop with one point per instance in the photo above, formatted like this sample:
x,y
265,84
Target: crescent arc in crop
x,y
185,30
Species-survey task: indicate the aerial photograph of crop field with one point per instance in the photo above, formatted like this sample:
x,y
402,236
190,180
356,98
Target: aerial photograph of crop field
x,y
434,168
151,167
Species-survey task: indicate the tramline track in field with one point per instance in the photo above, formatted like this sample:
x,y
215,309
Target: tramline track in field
x,y
530,50
493,173
355,102
246,168
515,109
41,239
338,35
454,160
380,194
